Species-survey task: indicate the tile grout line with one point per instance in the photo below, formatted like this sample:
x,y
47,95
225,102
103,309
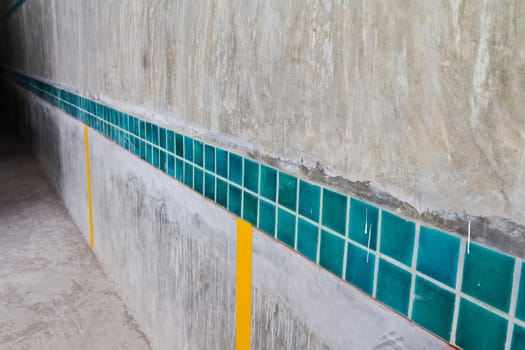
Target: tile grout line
x,y
457,290
378,253
347,229
318,247
513,302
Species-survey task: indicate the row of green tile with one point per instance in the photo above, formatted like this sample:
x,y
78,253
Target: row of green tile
x,y
321,223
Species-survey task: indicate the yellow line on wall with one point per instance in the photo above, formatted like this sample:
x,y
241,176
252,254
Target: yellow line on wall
x,y
90,202
243,285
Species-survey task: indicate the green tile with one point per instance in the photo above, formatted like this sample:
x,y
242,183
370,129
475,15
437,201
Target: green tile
x,y
235,168
361,215
438,255
286,227
393,286
198,155
397,237
235,200
179,145
222,193
250,208
484,269
518,338
287,191
267,217
179,170
188,175
480,329
209,186
170,141
433,307
520,305
307,239
163,161
331,253
268,182
154,134
360,268
149,153
309,200
251,175
171,165
198,180
221,161
162,138
188,148
209,158
334,211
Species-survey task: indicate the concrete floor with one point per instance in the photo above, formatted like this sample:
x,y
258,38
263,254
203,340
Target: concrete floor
x,y
53,292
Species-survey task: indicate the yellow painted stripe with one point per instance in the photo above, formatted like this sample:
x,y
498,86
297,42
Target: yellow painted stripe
x,y
90,202
244,285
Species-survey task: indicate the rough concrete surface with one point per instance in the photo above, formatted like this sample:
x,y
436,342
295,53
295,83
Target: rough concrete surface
x,y
53,292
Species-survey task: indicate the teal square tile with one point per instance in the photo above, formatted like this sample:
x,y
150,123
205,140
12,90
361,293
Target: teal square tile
x,y
393,286
235,168
222,193
334,211
433,308
149,153
154,134
221,161
267,217
307,239
331,253
286,227
170,141
198,180
209,186
360,268
188,148
438,255
235,200
142,129
520,304
179,170
479,328
162,138
363,223
518,338
171,165
198,155
287,191
163,165
397,237
251,175
487,276
188,175
309,200
250,208
179,145
209,158
268,183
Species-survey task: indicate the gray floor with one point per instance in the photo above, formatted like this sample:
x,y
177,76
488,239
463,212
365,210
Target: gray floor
x,y
53,292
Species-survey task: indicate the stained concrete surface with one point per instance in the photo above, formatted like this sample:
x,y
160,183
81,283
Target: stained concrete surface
x,y
53,292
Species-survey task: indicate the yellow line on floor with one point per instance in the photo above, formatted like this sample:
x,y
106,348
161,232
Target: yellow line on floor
x,y
243,285
88,173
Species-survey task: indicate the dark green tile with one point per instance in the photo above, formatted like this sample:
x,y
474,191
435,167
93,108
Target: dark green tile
x,y
267,217
209,186
393,286
235,168
287,191
307,239
142,129
331,253
397,237
188,175
209,158
268,183
438,255
162,138
360,268
198,155
198,180
309,200
222,193
149,153
188,148
250,208
170,141
484,269
179,145
520,305
286,227
163,165
518,338
179,170
480,329
171,165
154,134
433,308
363,223
235,200
221,161
251,175
334,211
